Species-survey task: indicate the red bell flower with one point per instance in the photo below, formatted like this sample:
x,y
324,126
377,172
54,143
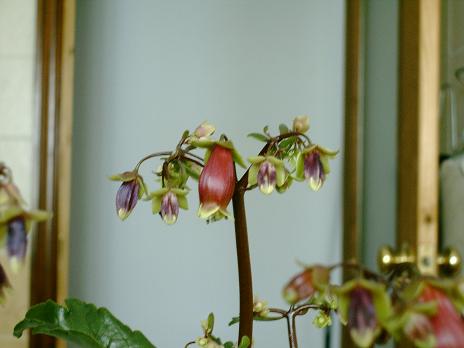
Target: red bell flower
x,y
448,326
217,183
303,285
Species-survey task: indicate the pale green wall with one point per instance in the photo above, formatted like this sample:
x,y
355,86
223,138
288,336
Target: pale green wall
x,y
146,70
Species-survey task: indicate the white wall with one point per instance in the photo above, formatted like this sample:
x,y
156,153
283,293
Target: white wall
x,y
145,71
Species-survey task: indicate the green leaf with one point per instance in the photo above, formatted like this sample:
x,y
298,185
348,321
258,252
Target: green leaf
x,y
259,137
244,343
234,321
80,323
283,128
211,322
287,142
229,345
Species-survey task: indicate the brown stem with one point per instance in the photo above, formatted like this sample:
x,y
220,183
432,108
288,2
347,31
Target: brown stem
x,y
292,337
244,265
243,251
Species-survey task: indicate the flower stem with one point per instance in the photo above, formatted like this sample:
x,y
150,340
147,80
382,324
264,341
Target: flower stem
x,y
244,265
243,251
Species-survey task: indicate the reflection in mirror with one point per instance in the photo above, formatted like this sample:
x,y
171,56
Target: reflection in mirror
x,y
18,137
452,125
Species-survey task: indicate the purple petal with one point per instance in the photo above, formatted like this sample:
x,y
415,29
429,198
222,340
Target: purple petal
x,y
266,177
169,208
126,198
17,239
313,170
362,319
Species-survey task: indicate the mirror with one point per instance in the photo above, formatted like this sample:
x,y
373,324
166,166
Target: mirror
x,y
18,140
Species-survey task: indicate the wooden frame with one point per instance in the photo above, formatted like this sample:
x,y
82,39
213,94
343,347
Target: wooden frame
x,y
353,145
54,94
418,144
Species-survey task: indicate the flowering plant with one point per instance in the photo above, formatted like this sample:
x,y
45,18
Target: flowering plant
x,y
402,304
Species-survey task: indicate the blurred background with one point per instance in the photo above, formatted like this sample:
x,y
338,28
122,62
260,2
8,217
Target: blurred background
x,y
88,87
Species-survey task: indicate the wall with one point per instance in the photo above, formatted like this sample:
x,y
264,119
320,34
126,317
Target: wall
x,y
147,70
17,138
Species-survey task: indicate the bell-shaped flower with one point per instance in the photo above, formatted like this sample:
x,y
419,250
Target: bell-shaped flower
x,y
167,202
217,184
301,124
447,322
4,284
131,190
304,285
15,223
364,305
313,165
267,172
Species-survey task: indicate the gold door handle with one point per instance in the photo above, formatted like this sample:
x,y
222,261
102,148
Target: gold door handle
x,y
388,258
449,262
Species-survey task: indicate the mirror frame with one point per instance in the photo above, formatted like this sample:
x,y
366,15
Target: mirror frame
x,y
418,127
53,101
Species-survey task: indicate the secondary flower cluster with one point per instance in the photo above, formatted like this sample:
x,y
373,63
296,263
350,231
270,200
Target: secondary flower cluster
x,y
15,223
208,340
285,157
424,310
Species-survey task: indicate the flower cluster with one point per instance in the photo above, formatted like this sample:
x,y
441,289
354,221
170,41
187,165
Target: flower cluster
x,y
284,158
289,156
15,223
426,311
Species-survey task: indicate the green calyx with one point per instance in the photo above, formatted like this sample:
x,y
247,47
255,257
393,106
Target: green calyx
x,y
157,198
213,212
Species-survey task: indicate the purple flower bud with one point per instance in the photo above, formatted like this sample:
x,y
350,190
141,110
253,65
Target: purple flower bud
x,y
313,170
16,241
127,198
362,320
169,208
266,177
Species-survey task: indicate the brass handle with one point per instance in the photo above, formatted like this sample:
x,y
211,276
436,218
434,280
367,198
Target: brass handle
x,y
449,262
387,258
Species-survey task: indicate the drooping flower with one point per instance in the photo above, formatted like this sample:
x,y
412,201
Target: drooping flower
x,y
267,172
304,285
364,305
447,323
313,165
15,223
130,191
301,124
167,202
216,185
